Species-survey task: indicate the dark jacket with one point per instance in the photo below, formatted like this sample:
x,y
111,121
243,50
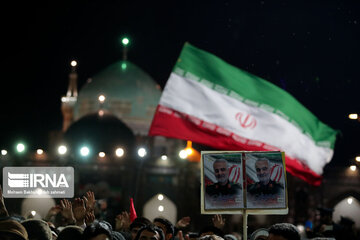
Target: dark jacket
x,y
216,190
271,188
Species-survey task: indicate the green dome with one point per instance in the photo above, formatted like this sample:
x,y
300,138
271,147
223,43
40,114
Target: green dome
x,y
131,95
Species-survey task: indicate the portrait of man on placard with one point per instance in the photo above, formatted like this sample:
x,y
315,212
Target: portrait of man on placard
x,y
222,181
265,180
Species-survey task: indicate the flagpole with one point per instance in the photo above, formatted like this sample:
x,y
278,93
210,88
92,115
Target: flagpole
x,y
245,214
138,182
245,225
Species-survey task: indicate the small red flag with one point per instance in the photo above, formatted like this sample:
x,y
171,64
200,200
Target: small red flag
x,y
132,210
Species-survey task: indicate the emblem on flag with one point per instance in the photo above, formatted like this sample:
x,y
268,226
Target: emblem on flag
x,y
245,120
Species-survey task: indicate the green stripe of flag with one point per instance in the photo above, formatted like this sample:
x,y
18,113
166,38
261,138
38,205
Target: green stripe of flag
x,y
215,73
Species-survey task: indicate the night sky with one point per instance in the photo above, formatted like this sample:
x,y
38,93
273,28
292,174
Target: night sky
x,y
309,48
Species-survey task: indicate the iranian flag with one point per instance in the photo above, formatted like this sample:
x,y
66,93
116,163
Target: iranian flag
x,y
213,103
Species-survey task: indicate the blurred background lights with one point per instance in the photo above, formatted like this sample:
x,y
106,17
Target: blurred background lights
x,y
119,152
102,98
161,208
192,154
3,152
62,149
20,147
353,168
33,213
101,154
353,116
188,151
182,154
123,66
142,152
39,151
349,200
73,63
84,151
125,41
301,228
164,157
160,197
357,158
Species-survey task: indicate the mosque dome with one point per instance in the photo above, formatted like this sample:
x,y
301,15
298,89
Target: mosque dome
x,y
130,94
101,133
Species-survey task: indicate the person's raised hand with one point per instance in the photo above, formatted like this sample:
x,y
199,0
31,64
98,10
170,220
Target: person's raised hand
x,y
79,210
90,201
218,221
53,211
122,221
66,211
181,236
89,218
183,222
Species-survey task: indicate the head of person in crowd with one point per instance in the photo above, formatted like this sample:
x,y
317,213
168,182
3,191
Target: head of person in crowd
x,y
262,168
211,237
12,230
138,223
347,223
150,232
37,229
211,230
54,230
230,237
260,234
117,236
347,228
166,226
221,171
193,235
70,232
237,235
326,215
17,218
98,230
126,234
283,231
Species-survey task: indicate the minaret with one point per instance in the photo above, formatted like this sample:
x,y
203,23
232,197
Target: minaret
x,y
125,41
68,101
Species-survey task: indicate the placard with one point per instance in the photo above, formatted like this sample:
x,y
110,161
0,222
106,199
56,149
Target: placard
x,y
223,182
234,181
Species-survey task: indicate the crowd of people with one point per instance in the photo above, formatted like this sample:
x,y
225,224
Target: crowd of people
x,y
79,219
